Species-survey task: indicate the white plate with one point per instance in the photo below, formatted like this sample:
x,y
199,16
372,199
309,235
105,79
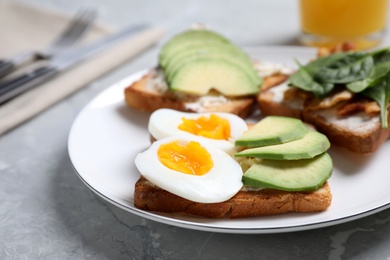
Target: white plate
x,y
107,135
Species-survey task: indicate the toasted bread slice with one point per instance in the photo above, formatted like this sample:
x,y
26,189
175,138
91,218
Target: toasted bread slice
x,y
149,197
151,93
359,132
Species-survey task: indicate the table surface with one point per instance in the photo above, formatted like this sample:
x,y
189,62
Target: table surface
x,y
46,212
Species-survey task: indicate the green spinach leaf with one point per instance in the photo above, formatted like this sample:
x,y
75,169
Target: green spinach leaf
x,y
375,75
303,79
354,66
381,55
381,94
314,66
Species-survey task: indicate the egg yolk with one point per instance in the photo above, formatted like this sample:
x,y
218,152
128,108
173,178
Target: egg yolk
x,y
214,127
191,158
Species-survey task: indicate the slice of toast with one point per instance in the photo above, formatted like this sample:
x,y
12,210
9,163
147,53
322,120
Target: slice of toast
x,y
245,203
358,131
151,93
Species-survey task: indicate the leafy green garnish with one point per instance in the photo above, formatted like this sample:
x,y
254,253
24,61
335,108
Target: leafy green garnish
x,y
379,70
303,80
381,55
314,66
320,75
381,94
352,67
365,73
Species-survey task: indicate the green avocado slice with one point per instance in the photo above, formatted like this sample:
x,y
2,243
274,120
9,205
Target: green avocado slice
x,y
273,130
312,144
206,48
298,175
202,76
214,51
187,39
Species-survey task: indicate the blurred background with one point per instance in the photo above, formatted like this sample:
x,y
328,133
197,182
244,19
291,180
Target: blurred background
x,y
246,22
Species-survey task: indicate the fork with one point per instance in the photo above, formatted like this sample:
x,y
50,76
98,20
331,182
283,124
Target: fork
x,y
75,30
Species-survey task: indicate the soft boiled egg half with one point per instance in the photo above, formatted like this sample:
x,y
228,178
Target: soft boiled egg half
x,y
194,170
220,129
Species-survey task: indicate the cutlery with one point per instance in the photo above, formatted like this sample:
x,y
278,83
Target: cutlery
x,y
75,30
60,62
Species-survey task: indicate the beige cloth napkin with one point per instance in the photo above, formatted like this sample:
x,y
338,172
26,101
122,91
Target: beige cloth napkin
x,y
27,28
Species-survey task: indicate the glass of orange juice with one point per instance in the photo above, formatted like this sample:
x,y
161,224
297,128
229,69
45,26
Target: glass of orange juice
x,y
326,23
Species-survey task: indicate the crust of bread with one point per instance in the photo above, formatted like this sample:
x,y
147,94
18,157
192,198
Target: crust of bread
x,y
139,96
244,204
361,142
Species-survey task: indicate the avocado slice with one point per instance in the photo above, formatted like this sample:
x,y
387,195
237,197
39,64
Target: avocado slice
x,y
214,51
186,39
245,67
299,175
201,76
312,144
273,130
206,48
172,51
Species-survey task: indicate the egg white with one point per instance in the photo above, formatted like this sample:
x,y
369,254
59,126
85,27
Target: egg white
x,y
221,183
164,123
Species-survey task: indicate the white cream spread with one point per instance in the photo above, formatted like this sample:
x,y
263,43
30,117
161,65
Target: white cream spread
x,y
278,92
157,82
265,68
358,123
205,102
278,96
249,188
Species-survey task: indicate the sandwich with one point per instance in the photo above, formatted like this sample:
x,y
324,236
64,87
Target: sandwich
x,y
343,94
213,165
199,70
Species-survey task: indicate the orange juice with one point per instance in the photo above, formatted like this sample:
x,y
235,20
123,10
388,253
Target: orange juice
x,y
334,21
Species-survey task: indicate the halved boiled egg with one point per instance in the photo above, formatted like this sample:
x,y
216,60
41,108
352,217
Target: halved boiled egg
x,y
194,170
220,129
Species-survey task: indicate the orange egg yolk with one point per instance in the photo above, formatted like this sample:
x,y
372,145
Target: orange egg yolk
x,y
214,127
191,158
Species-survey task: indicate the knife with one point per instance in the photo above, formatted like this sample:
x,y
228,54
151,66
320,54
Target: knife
x,y
61,62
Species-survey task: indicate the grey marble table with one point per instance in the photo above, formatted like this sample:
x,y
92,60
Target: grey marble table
x,y
46,212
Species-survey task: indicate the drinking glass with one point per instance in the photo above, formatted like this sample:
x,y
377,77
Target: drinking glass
x,y
326,23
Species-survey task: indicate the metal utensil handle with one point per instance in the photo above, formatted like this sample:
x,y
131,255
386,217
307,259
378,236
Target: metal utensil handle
x,y
24,82
10,64
6,66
